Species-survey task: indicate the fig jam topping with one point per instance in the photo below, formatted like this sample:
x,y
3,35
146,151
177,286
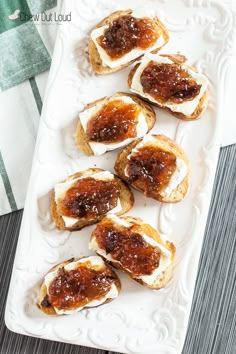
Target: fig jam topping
x,y
151,168
45,302
168,83
76,288
127,246
89,198
115,122
127,33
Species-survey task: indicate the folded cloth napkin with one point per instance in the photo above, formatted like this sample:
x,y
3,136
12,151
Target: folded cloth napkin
x,y
26,47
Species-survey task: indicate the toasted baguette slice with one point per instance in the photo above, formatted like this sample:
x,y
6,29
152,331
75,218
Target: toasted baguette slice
x,y
127,243
82,138
164,144
95,59
182,110
125,196
93,262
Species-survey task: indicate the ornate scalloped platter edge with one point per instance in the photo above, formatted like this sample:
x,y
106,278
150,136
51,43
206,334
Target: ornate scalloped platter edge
x,y
140,321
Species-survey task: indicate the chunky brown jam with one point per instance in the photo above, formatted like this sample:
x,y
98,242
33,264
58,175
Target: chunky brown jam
x,y
151,168
127,33
89,198
168,83
127,246
115,122
76,288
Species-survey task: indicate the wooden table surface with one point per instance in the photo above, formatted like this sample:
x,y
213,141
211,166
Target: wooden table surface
x,y
212,324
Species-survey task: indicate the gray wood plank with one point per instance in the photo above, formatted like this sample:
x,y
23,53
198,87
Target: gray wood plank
x,y
212,324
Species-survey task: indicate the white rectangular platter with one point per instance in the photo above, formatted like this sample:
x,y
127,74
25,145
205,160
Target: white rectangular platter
x,y
140,320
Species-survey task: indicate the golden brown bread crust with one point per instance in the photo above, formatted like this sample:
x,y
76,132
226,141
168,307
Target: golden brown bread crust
x,y
126,200
82,141
178,59
147,110
49,310
94,56
166,275
166,144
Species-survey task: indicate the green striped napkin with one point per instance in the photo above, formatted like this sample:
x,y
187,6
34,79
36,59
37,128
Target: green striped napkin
x,y
26,45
